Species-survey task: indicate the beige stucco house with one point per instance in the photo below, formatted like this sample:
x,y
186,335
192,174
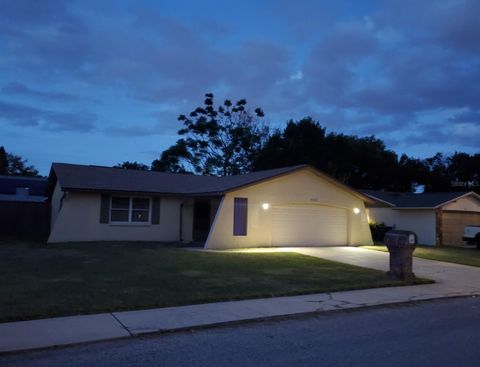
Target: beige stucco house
x,y
293,206
437,218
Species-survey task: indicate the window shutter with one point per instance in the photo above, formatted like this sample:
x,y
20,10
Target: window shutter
x,y
104,208
240,215
155,210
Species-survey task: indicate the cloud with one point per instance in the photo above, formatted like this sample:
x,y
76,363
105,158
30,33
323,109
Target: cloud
x,y
27,116
22,89
132,131
386,68
19,114
69,121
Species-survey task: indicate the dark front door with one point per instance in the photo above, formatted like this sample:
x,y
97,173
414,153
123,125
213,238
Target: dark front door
x,y
201,219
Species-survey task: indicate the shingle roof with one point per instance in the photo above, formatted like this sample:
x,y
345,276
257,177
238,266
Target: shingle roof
x,y
96,178
9,185
411,200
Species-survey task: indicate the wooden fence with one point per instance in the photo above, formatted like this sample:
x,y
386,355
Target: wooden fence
x,y
24,219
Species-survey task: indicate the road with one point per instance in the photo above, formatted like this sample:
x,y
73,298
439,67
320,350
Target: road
x,y
433,333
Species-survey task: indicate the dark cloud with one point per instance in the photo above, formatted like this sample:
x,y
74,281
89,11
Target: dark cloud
x,y
22,89
69,121
468,116
386,68
466,135
23,115
19,114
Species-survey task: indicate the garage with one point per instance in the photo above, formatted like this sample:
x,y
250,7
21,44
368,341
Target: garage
x,y
453,224
309,225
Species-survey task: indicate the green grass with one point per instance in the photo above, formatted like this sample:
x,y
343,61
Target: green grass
x,y
43,281
455,255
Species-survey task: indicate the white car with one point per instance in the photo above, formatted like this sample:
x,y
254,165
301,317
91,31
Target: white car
x,y
471,234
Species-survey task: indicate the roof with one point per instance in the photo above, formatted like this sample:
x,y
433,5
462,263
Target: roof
x,y
404,200
9,185
20,198
74,177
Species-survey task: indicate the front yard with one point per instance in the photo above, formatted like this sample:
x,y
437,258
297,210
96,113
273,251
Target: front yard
x,y
40,281
456,255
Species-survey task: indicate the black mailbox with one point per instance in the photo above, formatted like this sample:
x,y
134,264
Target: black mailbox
x,y
401,245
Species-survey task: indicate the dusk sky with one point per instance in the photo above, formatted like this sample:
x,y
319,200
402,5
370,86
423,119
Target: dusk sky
x,y
101,82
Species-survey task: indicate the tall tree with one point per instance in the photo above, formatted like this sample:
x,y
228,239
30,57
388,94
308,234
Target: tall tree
x,y
169,160
360,162
15,165
3,161
132,165
222,140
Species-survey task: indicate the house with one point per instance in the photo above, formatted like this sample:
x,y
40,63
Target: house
x,y
23,189
437,218
23,206
293,206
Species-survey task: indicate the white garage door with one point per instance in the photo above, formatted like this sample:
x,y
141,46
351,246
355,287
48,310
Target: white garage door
x,y
309,226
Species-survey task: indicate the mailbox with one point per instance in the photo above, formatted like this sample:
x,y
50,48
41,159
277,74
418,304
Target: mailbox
x,y
401,245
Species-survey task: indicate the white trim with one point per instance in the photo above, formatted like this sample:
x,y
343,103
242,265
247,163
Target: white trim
x,y
130,222
378,199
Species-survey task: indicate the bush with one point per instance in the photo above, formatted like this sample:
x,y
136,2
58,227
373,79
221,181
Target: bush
x,y
378,231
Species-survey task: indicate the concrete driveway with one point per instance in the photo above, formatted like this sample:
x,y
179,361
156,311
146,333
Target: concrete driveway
x,y
450,279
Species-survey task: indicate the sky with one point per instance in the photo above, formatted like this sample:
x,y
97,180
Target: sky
x,y
102,82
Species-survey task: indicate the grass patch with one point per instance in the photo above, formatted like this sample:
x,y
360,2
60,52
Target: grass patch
x,y
457,255
56,280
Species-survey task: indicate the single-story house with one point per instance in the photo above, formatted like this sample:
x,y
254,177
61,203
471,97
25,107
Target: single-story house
x,y
437,218
23,206
293,206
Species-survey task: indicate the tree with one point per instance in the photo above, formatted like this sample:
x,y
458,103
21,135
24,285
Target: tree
x,y
301,142
170,159
3,161
411,173
132,165
359,162
222,140
15,165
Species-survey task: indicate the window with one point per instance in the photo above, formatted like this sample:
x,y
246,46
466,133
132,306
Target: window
x,y
130,210
240,214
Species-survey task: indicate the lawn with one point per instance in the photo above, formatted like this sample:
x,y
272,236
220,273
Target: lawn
x,y
456,255
42,281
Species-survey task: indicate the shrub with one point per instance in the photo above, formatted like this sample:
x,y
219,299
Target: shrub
x,y
378,231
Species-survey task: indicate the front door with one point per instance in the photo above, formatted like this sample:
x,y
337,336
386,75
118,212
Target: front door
x,y
201,219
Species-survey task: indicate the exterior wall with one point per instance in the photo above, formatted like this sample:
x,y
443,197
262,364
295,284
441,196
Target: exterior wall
x,y
302,187
78,220
55,204
467,203
420,221
187,218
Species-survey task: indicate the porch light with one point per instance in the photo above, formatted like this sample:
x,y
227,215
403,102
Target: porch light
x,y
265,206
356,210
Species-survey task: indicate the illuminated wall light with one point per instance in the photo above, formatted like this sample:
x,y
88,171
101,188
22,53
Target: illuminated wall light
x,y
265,206
356,210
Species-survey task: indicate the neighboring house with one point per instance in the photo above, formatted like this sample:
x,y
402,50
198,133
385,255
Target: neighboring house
x,y
23,189
293,206
437,218
23,206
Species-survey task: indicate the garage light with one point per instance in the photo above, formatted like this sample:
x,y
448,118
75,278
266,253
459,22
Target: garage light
x,y
265,206
356,210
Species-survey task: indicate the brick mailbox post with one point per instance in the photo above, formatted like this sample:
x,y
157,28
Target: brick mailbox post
x,y
401,245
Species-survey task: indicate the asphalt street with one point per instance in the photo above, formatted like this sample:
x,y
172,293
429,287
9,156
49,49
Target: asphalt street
x,y
434,333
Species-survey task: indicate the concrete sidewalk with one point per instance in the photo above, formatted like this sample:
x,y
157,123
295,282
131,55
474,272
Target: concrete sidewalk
x,y
452,280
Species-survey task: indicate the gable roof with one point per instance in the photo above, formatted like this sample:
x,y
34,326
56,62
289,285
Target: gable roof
x,y
75,177
404,200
